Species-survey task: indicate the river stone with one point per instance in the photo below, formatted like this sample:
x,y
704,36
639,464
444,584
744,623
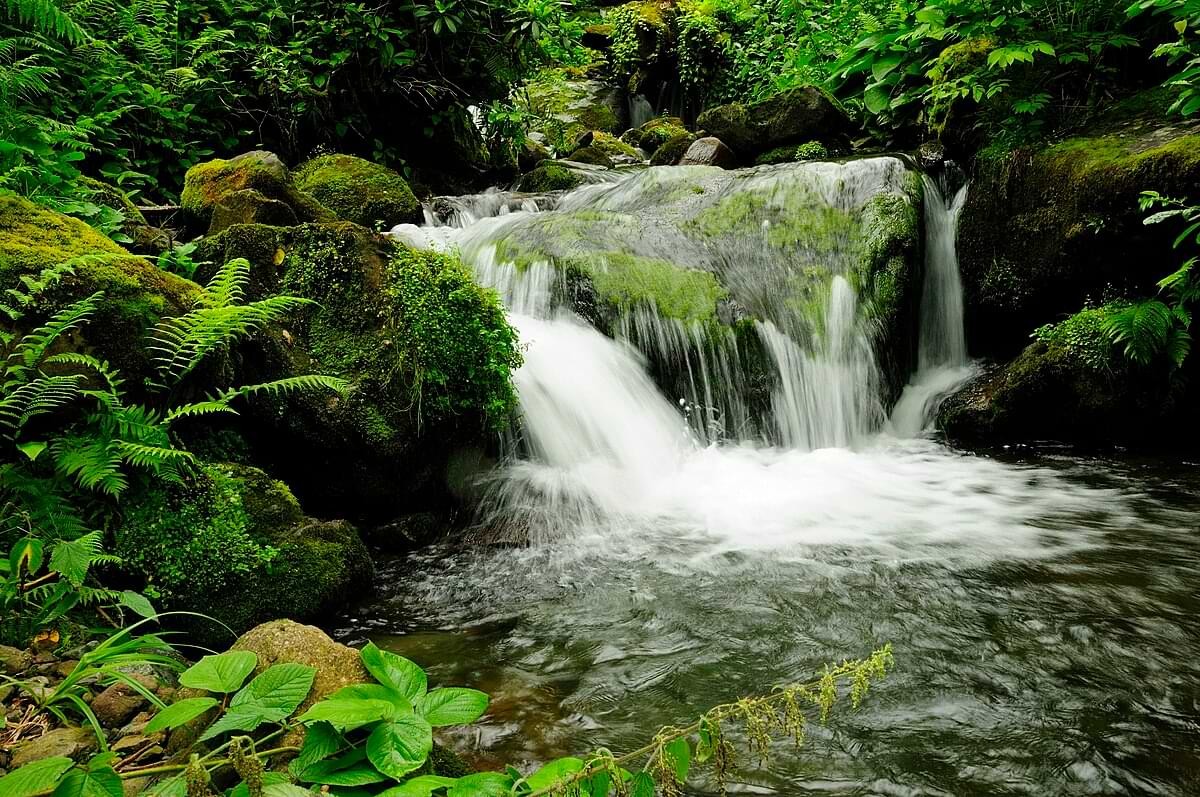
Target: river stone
x,y
14,660
801,114
120,702
70,742
709,151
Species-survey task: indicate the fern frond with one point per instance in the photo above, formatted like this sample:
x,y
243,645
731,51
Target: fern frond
x,y
228,286
28,354
44,17
21,403
199,409
153,458
112,379
292,384
1143,328
92,463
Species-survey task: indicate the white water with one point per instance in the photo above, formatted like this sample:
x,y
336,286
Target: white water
x,y
942,361
605,453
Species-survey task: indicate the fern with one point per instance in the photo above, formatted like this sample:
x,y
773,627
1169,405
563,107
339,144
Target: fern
x,y
1143,327
293,384
45,17
27,355
93,463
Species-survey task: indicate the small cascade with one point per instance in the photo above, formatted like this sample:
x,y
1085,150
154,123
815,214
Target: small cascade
x,y
942,361
640,111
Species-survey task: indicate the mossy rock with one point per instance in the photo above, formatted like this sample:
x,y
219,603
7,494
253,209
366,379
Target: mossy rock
x,y
592,156
672,150
136,293
250,206
233,544
656,132
809,151
359,191
548,177
427,351
1047,229
208,183
792,117
568,104
614,148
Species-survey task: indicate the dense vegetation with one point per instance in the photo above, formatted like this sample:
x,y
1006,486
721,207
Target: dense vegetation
x,y
185,320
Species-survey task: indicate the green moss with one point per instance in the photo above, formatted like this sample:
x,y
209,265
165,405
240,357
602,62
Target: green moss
x,y
359,191
1082,337
549,177
233,544
672,151
627,281
568,105
962,58
136,293
614,147
593,156
112,197
205,184
793,218
657,132
809,151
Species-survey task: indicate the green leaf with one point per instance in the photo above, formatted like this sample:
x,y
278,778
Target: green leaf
x,y
138,603
274,785
32,450
451,706
346,715
35,778
885,64
374,692
642,785
394,671
100,782
321,740
877,99
224,672
554,772
483,784
180,713
420,786
276,692
400,747
680,753
28,554
234,720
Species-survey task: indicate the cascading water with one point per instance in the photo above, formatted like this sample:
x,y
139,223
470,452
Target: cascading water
x,y
942,363
712,507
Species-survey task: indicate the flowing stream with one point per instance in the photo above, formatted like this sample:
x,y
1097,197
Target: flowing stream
x,y
696,533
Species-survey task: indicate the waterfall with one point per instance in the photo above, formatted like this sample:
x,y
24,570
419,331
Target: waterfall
x,y
618,421
640,111
942,361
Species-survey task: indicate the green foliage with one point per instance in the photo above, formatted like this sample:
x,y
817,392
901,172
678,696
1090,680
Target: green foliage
x,y
1152,328
377,738
1084,335
1182,53
455,345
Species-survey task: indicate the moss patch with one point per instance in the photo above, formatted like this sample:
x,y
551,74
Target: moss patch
x,y
206,184
549,177
359,191
568,105
627,281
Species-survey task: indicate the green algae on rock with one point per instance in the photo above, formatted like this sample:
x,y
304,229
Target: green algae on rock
x,y
208,183
359,191
549,176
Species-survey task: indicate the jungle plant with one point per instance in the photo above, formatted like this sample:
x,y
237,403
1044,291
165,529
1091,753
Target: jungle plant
x,y
377,738
1161,326
1183,52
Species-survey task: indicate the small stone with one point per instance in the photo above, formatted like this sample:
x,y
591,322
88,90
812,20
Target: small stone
x,y
117,704
127,744
14,660
73,743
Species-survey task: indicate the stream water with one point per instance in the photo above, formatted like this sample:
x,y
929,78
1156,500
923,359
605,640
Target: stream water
x,y
686,548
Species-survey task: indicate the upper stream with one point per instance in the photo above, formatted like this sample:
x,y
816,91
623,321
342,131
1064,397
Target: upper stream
x,y
719,501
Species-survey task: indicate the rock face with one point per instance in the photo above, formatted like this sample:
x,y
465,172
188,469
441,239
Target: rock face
x,y
118,704
359,191
671,152
1044,231
792,117
234,544
250,206
709,152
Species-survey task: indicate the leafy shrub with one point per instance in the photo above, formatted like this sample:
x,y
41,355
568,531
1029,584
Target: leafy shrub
x,y
1084,335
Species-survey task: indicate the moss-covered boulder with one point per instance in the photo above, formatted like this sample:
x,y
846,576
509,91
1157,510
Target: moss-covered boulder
x,y
232,543
530,154
1047,229
136,293
793,117
359,191
208,183
427,351
549,176
592,156
653,134
250,206
614,148
671,152
568,103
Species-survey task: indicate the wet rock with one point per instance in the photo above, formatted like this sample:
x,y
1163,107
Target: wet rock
x,y
931,155
118,703
360,191
805,113
410,531
709,151
671,152
531,154
14,660
549,176
206,184
74,743
593,156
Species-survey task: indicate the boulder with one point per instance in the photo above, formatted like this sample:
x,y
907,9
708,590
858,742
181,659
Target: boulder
x,y
531,153
655,133
208,183
74,743
549,176
672,150
359,191
592,156
250,206
233,544
616,150
289,642
597,37
427,352
1047,229
119,703
801,114
136,292
139,236
709,151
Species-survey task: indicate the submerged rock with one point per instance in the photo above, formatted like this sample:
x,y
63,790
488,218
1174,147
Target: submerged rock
x,y
359,191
